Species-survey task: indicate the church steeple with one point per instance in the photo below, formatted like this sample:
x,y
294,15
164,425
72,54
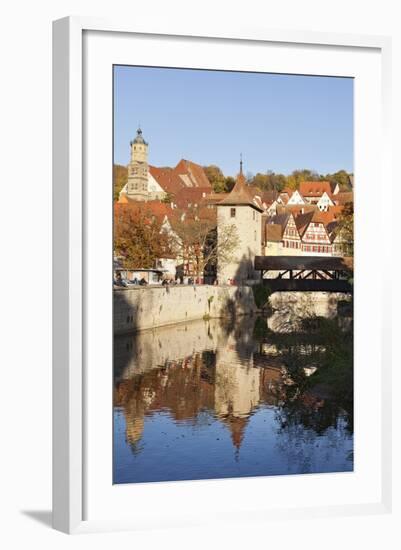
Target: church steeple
x,y
240,164
137,185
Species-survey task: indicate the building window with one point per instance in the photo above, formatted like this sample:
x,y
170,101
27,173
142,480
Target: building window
x,y
232,212
255,235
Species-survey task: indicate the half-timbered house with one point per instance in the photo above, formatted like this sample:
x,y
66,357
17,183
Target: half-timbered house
x,y
315,235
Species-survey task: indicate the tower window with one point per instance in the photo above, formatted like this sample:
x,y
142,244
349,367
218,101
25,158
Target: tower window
x,y
232,212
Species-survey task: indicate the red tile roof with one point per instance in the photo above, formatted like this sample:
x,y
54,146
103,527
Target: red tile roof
x,y
314,188
195,173
268,197
167,178
343,197
186,175
191,196
296,209
302,221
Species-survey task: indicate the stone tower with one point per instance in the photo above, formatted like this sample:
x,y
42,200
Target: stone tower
x,y
137,185
241,209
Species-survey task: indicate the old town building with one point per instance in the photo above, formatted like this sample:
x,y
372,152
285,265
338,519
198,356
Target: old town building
x,y
241,209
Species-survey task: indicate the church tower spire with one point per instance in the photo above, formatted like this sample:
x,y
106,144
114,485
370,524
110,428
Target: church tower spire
x,y
137,185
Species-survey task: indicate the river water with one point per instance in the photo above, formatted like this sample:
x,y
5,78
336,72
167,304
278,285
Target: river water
x,y
213,399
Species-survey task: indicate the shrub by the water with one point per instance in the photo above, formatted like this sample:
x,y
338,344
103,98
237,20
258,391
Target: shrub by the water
x,y
261,294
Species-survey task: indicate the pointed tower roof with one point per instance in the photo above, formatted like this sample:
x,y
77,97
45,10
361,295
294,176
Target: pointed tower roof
x,y
241,194
236,425
139,137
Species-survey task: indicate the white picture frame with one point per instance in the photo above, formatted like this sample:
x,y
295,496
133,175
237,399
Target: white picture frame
x,y
71,308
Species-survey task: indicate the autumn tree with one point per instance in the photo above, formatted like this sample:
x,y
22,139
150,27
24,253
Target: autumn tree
x,y
139,238
345,230
120,178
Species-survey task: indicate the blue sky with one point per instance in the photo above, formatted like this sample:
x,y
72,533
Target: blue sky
x,y
278,122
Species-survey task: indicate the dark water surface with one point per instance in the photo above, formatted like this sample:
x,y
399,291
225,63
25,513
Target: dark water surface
x,y
213,400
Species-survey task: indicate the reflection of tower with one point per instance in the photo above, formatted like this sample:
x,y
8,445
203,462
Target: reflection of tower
x,y
137,185
134,428
237,427
237,388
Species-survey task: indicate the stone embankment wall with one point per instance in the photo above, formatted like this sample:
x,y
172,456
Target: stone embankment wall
x,y
289,309
144,308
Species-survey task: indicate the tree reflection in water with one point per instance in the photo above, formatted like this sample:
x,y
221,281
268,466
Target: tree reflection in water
x,y
284,399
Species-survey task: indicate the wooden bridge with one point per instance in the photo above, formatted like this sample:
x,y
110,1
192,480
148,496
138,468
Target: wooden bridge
x,y
305,273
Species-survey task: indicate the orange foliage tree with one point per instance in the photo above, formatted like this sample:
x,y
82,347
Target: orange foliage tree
x,y
139,238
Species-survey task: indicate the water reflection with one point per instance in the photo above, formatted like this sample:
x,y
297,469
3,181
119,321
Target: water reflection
x,y
207,399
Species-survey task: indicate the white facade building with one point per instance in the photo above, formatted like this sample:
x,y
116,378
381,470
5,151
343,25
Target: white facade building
x,y
296,198
324,202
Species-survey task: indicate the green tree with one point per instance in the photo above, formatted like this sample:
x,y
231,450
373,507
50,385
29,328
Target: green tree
x,y
296,176
342,178
269,181
230,182
216,178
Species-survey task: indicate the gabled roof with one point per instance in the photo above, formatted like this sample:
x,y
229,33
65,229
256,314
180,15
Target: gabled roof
x,y
343,197
302,221
328,216
186,175
314,188
296,209
191,196
192,174
215,198
333,185
332,230
274,232
269,197
241,195
284,196
279,219
167,178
